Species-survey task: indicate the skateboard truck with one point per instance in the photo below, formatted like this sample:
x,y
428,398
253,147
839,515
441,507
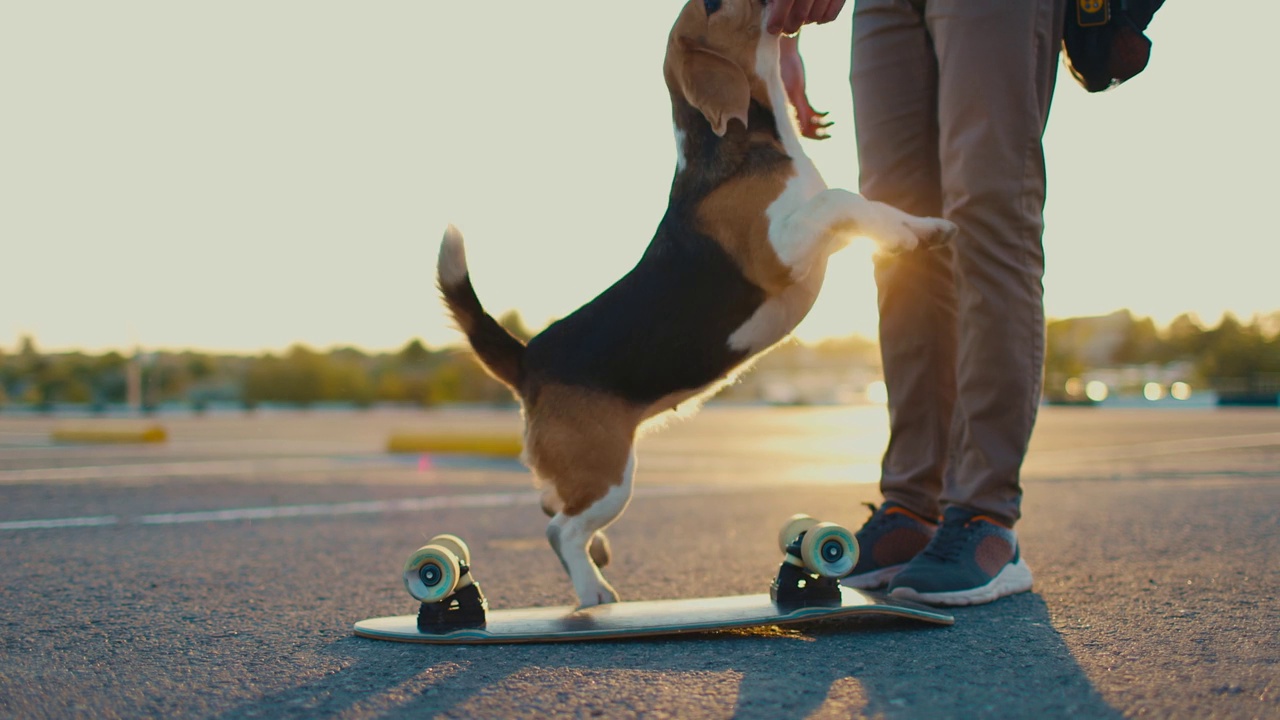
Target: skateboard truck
x,y
438,574
815,555
464,608
796,586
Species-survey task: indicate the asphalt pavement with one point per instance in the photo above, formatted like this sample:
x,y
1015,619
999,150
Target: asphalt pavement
x,y
217,575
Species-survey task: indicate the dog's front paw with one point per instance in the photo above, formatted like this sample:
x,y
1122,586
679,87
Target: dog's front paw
x,y
897,231
933,232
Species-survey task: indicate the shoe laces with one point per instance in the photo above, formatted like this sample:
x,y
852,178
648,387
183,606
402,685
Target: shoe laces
x,y
877,518
949,541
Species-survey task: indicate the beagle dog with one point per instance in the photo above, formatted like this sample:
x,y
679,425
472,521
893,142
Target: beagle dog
x,y
735,264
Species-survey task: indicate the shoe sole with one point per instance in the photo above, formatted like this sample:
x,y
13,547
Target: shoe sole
x,y
1013,579
874,579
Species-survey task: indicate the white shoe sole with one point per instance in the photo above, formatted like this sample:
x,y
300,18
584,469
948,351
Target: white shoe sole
x,y
1013,579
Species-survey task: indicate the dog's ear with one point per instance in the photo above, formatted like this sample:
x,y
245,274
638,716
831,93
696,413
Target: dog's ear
x,y
715,85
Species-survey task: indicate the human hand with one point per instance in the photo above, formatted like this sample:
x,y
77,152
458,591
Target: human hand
x,y
787,16
810,121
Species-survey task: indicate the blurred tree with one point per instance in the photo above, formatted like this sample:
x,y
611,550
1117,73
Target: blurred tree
x,y
415,353
5,378
301,377
1184,339
1140,343
1235,352
42,384
261,381
110,381
852,349
515,325
1062,361
390,387
346,378
199,366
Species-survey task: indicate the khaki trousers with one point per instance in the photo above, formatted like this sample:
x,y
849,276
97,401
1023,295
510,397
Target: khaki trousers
x,y
950,103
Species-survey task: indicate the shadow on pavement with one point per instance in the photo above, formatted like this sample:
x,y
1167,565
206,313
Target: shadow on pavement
x,y
999,660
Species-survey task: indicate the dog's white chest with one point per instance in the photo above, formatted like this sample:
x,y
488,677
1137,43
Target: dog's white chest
x,y
780,314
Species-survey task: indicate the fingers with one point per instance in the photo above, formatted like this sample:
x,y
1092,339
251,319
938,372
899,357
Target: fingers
x,y
787,16
831,12
798,16
779,10
818,11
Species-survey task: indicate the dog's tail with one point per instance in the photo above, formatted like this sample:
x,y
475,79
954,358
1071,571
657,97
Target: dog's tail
x,y
499,351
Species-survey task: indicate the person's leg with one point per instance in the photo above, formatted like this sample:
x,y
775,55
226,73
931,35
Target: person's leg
x,y
997,61
894,80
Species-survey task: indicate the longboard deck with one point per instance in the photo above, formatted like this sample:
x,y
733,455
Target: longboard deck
x,y
642,618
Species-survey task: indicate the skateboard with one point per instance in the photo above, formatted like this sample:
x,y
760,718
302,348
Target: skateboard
x,y
806,589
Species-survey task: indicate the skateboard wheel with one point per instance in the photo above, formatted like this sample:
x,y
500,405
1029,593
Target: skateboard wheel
x,y
829,550
455,545
792,528
431,574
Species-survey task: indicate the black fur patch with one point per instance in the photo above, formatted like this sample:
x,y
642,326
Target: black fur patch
x,y
664,326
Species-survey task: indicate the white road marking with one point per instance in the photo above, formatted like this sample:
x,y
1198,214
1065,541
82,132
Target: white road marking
x,y
60,523
238,447
351,508
371,507
1158,448
135,471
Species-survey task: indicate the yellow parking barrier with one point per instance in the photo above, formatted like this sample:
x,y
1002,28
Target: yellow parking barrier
x,y
500,445
106,434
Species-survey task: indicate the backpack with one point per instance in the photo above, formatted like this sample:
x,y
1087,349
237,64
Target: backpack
x,y
1103,40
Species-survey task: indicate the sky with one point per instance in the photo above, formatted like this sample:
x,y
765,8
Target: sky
x,y
240,176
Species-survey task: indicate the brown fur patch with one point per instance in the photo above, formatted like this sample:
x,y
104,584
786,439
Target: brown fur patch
x,y
734,216
730,35
579,441
551,502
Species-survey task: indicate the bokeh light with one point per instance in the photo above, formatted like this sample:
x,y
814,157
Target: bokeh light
x,y
877,393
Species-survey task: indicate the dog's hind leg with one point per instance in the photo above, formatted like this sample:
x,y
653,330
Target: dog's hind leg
x,y
580,442
571,535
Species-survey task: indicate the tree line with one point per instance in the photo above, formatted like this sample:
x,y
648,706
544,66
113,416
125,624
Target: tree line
x,y
1232,356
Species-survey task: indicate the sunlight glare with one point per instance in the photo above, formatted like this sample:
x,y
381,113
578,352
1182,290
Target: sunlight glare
x,y
877,393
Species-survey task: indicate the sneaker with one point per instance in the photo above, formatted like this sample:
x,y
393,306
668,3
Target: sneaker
x,y
971,560
891,537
